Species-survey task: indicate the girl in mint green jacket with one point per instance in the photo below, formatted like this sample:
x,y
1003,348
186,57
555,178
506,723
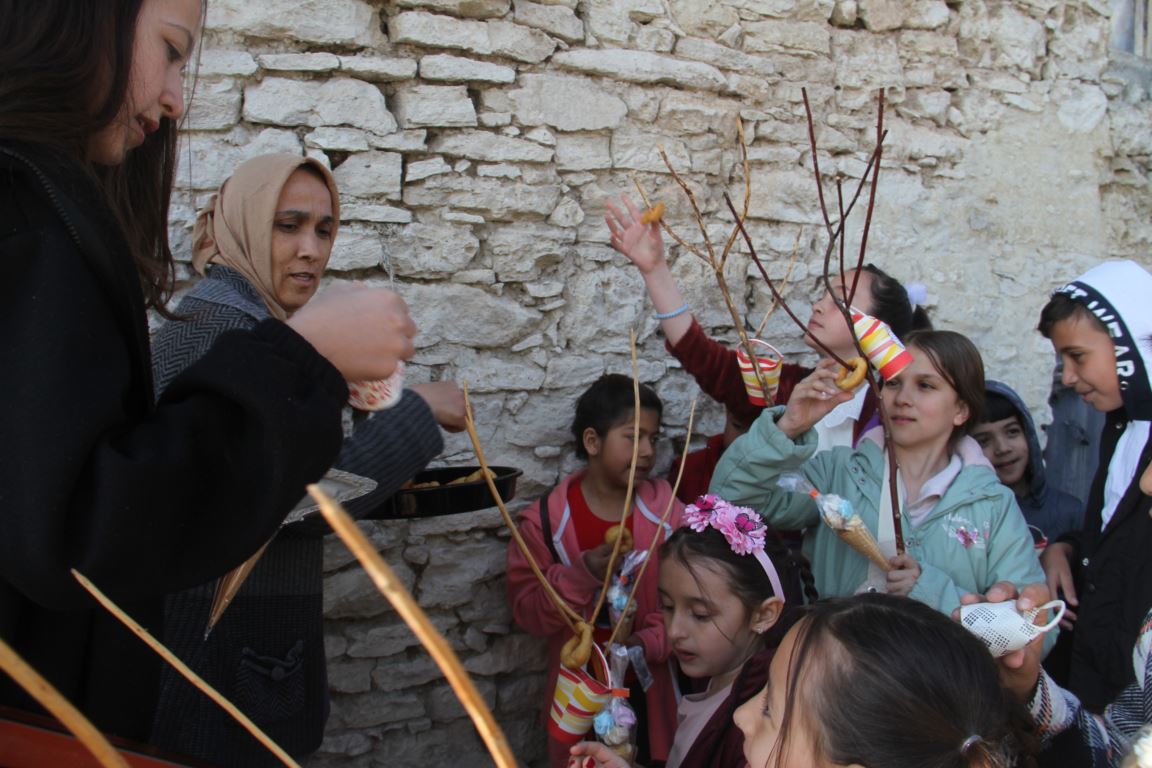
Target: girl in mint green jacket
x,y
962,529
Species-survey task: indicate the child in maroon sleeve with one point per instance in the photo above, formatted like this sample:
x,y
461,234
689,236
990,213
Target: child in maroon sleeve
x,y
714,365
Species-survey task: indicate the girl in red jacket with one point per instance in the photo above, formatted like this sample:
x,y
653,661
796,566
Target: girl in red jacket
x,y
565,531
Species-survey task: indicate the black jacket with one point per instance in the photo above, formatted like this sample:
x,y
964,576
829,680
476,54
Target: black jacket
x,y
1113,571
267,652
1113,567
143,498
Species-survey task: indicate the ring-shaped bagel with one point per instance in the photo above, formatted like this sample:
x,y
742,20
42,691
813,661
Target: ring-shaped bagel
x,y
578,649
653,214
619,532
849,379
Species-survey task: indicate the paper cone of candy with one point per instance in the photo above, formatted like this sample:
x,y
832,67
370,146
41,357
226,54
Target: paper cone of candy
x,y
377,395
580,695
883,350
838,515
769,359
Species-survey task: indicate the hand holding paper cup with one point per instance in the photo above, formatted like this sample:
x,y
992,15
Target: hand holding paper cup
x,y
377,395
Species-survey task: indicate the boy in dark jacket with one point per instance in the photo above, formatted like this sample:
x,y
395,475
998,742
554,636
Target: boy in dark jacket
x,y
1010,443
1100,326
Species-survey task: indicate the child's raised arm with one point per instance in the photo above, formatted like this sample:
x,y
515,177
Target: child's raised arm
x,y
812,399
748,469
643,246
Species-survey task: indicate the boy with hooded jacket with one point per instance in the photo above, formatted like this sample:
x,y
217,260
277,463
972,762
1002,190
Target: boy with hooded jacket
x,y
1008,438
1100,325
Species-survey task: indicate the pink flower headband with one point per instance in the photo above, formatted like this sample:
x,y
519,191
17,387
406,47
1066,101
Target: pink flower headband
x,y
742,528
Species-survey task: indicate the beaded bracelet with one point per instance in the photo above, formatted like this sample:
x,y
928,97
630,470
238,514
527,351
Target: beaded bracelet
x,y
674,313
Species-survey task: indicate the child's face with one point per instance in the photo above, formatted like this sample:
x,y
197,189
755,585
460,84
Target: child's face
x,y
1089,362
760,718
610,455
708,627
1006,446
921,404
827,323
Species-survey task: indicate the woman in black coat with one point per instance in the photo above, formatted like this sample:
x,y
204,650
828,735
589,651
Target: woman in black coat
x,y
143,497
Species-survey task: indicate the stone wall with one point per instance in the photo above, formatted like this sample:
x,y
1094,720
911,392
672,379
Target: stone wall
x,y
475,141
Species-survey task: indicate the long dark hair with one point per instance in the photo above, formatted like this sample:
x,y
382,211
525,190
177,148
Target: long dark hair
x,y
893,683
65,67
744,574
891,304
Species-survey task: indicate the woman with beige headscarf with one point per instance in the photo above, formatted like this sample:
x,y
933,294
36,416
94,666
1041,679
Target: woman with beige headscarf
x,y
262,243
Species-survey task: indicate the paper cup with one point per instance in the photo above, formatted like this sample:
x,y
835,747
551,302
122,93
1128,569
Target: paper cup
x,y
884,351
578,698
377,395
770,360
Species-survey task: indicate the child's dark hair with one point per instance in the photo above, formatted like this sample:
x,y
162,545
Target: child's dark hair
x,y
958,361
744,574
997,408
607,403
1061,307
890,303
893,683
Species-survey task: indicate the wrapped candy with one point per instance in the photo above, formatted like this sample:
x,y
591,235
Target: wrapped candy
x,y
615,726
622,583
838,515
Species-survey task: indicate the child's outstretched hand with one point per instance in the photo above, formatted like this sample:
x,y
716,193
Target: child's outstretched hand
x,y
813,399
641,243
593,754
1019,670
902,578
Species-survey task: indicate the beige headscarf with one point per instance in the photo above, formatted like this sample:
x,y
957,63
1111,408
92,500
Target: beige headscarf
x,y
235,227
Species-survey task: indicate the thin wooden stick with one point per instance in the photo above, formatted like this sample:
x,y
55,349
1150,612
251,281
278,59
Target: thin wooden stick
x,y
62,709
656,539
184,670
772,286
391,587
735,235
664,223
787,279
570,616
631,481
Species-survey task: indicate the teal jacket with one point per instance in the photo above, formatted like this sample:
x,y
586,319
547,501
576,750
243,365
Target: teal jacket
x,y
974,537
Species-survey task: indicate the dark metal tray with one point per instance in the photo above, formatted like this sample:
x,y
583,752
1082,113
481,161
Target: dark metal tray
x,y
447,499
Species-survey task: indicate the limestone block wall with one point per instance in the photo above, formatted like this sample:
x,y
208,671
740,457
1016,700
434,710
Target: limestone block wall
x,y
475,142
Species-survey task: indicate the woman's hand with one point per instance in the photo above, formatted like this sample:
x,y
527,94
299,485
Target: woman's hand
x,y
640,243
1057,564
812,399
362,331
446,400
902,578
593,754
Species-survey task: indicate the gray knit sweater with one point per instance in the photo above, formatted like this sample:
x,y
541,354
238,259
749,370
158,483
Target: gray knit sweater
x,y
267,653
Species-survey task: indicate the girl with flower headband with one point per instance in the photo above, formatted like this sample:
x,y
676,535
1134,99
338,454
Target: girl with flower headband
x,y
877,681
962,528
725,583
714,365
